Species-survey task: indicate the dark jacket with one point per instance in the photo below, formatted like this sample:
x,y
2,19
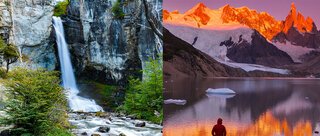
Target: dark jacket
x,y
219,129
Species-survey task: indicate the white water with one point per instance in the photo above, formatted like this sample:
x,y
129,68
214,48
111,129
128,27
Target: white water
x,y
76,102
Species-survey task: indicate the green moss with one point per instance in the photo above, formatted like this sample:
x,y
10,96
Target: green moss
x,y
61,8
117,10
107,94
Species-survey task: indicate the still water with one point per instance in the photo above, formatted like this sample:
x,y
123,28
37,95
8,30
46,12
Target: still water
x,y
261,107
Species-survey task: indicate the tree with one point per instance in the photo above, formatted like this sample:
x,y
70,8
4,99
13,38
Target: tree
x,y
9,53
117,10
36,103
144,98
61,8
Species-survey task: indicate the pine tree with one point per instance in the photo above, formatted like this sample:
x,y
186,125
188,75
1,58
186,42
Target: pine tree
x,y
36,103
144,98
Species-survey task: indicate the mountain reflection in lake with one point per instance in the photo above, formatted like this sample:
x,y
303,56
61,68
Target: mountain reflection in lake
x,y
261,107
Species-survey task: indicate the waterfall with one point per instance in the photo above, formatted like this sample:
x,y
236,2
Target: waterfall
x,y
76,102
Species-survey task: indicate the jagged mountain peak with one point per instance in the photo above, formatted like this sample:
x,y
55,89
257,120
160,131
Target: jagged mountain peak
x,y
200,5
175,12
297,20
199,8
204,17
293,6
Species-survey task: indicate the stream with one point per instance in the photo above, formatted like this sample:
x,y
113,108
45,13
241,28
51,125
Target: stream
x,y
120,125
86,123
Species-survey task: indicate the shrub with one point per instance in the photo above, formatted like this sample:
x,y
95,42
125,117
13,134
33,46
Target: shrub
x,y
61,8
36,103
117,10
9,52
144,98
3,73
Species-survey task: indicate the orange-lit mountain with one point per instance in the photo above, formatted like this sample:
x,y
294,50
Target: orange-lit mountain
x,y
228,17
298,20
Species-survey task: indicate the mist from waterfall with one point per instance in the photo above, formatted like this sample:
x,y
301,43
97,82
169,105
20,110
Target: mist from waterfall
x,y
76,102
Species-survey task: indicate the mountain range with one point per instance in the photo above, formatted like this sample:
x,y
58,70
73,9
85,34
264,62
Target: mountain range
x,y
295,28
246,39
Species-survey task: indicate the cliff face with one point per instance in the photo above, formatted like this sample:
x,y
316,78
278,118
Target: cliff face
x,y
107,48
102,47
28,24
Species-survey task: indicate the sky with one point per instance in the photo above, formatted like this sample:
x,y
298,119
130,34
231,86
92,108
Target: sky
x,y
279,9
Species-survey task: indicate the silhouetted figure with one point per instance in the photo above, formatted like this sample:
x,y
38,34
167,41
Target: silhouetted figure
x,y
194,40
219,129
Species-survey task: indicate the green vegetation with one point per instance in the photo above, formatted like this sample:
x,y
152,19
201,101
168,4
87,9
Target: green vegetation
x,y
144,98
117,10
107,95
36,103
61,8
9,52
3,73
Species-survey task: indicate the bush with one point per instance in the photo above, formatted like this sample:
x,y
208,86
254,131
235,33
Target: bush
x,y
3,73
144,98
9,52
117,10
36,103
61,8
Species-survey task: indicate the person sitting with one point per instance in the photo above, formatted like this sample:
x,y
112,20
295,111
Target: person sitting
x,y
219,129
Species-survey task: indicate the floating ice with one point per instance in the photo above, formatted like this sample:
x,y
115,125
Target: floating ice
x,y
220,91
174,101
225,96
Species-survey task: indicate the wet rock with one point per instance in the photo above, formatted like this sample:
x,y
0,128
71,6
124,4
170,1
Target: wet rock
x,y
5,133
101,114
141,124
104,129
121,134
79,112
84,134
132,116
95,135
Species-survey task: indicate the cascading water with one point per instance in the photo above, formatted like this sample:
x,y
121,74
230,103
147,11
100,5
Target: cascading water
x,y
76,102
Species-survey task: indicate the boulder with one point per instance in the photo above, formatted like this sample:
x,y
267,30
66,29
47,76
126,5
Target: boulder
x,y
103,129
142,124
84,134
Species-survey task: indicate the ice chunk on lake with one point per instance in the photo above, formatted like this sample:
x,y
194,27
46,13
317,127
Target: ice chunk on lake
x,y
220,91
225,96
175,101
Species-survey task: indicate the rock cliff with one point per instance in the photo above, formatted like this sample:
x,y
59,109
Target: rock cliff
x,y
28,24
107,48
102,47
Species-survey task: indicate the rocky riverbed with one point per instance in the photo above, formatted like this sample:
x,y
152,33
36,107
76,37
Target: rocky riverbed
x,y
111,124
